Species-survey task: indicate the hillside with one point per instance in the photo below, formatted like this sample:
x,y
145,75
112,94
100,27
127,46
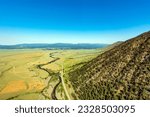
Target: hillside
x,y
120,73
109,47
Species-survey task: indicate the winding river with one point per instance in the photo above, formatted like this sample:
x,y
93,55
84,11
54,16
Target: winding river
x,y
40,66
50,72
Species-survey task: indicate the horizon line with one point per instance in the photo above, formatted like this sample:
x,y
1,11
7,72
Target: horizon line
x,y
57,43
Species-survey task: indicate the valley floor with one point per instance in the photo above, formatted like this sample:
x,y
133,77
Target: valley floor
x,y
36,74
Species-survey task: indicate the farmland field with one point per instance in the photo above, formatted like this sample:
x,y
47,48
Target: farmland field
x,y
36,74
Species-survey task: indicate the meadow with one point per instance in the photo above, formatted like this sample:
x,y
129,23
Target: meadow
x,y
40,74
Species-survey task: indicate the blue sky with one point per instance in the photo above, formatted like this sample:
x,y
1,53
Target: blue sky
x,y
72,21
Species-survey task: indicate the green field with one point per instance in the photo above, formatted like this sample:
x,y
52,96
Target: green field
x,y
40,74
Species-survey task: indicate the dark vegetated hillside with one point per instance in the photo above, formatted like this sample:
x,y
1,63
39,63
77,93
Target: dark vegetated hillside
x,y
120,73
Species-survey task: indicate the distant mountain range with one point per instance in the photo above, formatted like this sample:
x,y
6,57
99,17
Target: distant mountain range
x,y
54,46
122,72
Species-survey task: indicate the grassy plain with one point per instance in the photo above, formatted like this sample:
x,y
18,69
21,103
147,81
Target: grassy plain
x,y
20,78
